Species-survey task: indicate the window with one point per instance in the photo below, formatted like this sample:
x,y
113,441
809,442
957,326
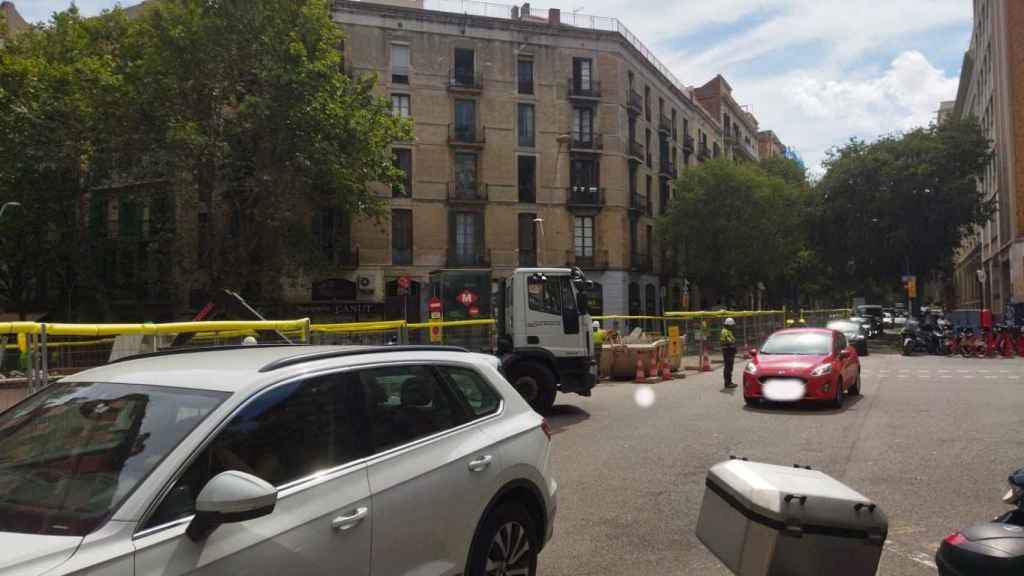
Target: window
x,y
465,176
675,125
129,219
583,125
629,80
647,146
583,175
468,236
651,300
663,197
70,454
634,242
401,105
524,75
647,103
401,237
527,240
582,74
583,236
526,125
403,161
465,120
407,403
527,179
285,434
472,389
647,194
400,59
545,294
465,67
332,233
650,240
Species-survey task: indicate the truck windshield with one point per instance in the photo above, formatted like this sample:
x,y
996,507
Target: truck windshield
x,y
70,454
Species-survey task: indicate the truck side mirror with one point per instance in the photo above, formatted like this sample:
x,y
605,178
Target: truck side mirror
x,y
583,303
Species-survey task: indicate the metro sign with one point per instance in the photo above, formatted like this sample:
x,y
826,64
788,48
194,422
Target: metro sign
x,y
467,297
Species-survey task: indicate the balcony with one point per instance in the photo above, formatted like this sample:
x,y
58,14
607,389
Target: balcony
x,y
688,144
597,261
477,258
585,198
582,142
639,262
634,103
463,136
467,194
638,205
667,169
702,152
635,151
465,81
664,125
577,91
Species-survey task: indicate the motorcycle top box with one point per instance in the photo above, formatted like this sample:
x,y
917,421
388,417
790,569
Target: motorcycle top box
x,y
762,519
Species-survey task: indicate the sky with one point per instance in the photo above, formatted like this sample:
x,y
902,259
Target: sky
x,y
817,72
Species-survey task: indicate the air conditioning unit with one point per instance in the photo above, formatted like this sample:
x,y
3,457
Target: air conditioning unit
x,y
367,283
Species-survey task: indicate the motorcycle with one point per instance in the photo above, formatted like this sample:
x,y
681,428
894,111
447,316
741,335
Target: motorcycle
x,y
924,339
970,343
993,548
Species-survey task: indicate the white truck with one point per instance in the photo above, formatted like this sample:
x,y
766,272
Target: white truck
x,y
544,334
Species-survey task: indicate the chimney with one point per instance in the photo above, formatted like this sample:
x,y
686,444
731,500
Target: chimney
x,y
515,12
526,10
554,17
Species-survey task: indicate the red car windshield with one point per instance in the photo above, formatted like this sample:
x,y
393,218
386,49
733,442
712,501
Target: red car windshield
x,y
70,454
798,343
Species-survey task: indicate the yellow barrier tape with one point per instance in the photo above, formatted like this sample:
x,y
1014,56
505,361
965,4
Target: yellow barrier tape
x,y
358,326
453,323
168,328
68,344
19,328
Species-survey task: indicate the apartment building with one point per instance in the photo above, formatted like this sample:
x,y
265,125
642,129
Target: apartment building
x,y
541,139
739,126
992,90
769,145
12,22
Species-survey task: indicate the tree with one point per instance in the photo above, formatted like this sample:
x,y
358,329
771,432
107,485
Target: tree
x,y
227,123
902,204
734,224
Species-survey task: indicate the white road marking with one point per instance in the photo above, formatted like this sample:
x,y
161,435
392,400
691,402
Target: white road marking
x,y
1014,377
963,371
984,371
919,557
990,377
941,371
945,376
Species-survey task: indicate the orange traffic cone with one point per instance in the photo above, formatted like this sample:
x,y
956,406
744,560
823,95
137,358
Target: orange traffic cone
x,y
705,362
641,377
652,366
666,374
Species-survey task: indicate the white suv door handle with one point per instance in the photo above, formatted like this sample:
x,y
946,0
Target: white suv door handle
x,y
350,520
480,464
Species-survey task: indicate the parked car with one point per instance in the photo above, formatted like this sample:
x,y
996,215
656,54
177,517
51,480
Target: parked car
x,y
277,460
864,323
899,320
887,319
855,332
802,364
874,314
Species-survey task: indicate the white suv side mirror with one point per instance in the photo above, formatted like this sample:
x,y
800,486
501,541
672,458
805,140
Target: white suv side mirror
x,y
231,496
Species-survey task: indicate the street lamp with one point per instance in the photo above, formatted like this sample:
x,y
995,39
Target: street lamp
x,y
8,204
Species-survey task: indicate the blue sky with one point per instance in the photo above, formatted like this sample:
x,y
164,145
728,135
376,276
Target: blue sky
x,y
817,72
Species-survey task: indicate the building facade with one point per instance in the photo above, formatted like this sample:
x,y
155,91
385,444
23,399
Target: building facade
x,y
992,90
12,22
739,126
769,145
541,139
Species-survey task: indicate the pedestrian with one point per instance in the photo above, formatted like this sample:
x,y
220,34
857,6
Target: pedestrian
x,y
597,337
728,341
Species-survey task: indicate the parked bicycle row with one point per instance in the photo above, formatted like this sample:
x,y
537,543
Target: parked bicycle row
x,y
1002,340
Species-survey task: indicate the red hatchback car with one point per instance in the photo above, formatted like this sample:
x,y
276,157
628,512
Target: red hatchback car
x,y
802,364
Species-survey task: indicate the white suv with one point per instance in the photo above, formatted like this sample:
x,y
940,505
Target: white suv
x,y
277,460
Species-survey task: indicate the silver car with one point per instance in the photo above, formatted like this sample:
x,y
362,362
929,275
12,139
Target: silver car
x,y
277,460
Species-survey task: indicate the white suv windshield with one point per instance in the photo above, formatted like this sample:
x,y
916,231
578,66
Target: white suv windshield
x,y
70,454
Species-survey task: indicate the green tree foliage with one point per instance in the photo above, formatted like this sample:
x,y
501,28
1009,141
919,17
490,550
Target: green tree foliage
x,y
902,204
225,122
735,225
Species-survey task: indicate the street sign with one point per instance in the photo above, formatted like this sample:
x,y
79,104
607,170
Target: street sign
x,y
435,334
673,340
434,304
467,297
404,282
474,311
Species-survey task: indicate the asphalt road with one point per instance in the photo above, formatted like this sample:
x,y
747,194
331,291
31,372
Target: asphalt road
x,y
932,441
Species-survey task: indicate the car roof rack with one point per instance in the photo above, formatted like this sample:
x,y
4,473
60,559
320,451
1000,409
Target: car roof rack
x,y
354,351
191,349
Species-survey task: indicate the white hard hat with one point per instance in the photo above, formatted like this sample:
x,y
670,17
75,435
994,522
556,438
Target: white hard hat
x,y
249,341
730,322
596,325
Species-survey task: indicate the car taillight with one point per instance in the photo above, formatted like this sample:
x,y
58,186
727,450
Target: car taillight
x,y
955,539
546,428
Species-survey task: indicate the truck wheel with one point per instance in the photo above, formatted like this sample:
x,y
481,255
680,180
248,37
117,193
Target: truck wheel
x,y
536,384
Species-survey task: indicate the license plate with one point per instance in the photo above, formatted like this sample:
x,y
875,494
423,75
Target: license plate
x,y
783,389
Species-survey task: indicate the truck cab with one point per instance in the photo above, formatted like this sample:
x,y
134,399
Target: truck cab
x,y
544,338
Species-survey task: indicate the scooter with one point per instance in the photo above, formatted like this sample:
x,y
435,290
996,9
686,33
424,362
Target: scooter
x,y
930,340
994,548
